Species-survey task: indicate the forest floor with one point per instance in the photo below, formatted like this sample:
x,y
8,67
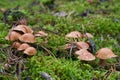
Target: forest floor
x,y
101,18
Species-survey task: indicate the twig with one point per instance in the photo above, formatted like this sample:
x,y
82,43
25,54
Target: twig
x,y
43,48
18,70
109,72
91,43
48,51
71,49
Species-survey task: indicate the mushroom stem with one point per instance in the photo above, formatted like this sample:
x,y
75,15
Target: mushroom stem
x,y
102,62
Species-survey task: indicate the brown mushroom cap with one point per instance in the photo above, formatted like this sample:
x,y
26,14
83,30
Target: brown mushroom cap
x,y
87,35
41,34
105,53
85,55
23,29
23,46
16,44
30,51
12,35
74,34
82,45
28,37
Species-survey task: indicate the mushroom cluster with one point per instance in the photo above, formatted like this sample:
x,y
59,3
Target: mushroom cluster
x,y
82,49
22,36
80,46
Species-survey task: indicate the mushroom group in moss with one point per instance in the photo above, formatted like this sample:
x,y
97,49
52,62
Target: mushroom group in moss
x,y
78,44
21,36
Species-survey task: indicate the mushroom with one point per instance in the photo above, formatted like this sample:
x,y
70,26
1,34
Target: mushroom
x,y
20,29
85,55
74,34
16,44
12,35
28,37
41,34
23,29
82,45
30,51
23,46
103,54
87,35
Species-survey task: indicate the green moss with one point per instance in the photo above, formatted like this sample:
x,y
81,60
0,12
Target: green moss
x,y
103,21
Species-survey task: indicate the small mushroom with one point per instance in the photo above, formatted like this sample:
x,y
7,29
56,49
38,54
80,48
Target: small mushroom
x,y
16,44
12,36
23,29
30,51
87,35
28,37
23,46
103,54
74,34
41,34
85,55
82,45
